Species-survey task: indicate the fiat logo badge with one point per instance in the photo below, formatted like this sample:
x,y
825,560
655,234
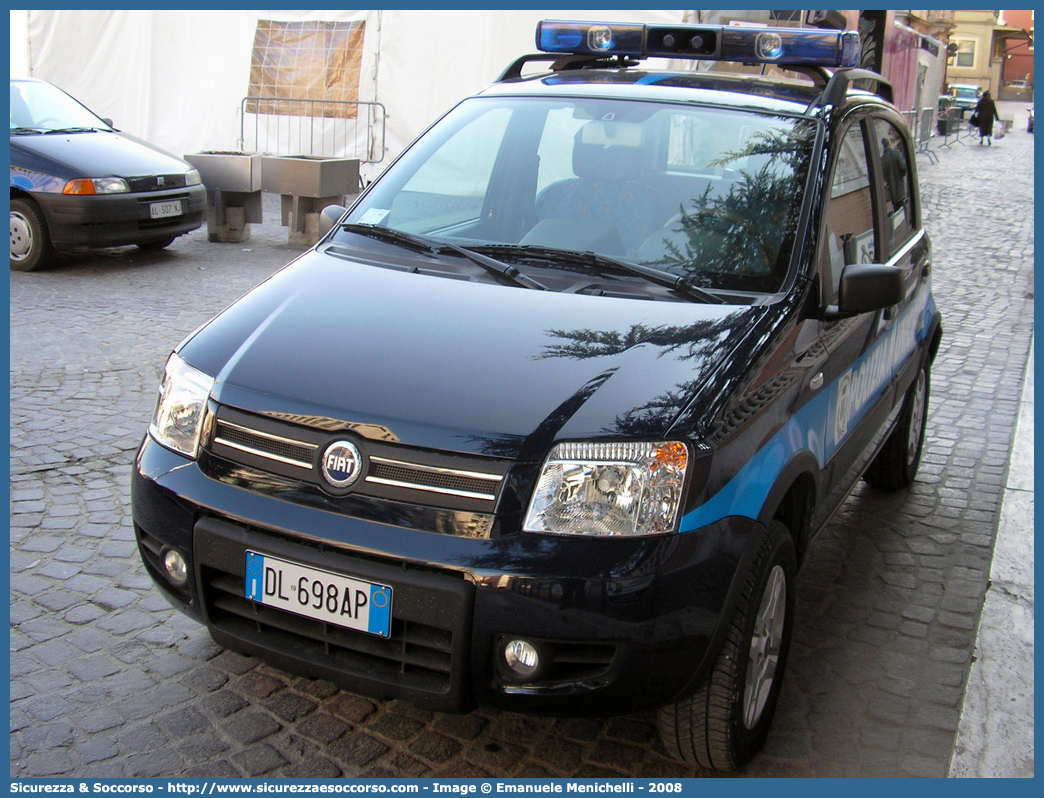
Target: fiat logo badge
x,y
341,464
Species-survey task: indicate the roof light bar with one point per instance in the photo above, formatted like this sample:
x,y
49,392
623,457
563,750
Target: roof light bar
x,y
809,47
553,36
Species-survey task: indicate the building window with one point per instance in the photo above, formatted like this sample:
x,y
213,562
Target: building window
x,y
311,60
965,56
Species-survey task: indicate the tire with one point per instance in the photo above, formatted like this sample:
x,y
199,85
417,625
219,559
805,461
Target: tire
x,y
725,722
156,246
895,466
30,242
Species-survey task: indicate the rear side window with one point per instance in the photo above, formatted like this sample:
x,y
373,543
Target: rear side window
x,y
898,187
849,232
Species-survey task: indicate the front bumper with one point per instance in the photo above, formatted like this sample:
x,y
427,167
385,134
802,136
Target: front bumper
x,y
112,220
628,624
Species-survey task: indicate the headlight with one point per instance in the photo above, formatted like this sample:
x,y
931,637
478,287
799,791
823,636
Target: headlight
x,y
182,402
609,489
192,177
96,185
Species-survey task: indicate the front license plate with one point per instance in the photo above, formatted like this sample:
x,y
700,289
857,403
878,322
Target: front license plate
x,y
321,595
161,210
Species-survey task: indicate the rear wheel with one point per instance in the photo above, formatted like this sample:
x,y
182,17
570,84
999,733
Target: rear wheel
x,y
725,722
30,243
156,246
895,466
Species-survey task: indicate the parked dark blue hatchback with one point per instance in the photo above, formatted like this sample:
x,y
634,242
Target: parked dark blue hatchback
x,y
549,418
78,183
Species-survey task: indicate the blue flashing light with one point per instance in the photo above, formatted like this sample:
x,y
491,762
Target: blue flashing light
x,y
810,47
608,38
790,46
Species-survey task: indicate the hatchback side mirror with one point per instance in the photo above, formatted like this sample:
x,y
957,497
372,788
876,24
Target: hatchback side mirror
x,y
866,287
330,215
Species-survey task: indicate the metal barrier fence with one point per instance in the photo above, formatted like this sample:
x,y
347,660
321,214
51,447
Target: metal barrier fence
x,y
953,124
321,128
924,133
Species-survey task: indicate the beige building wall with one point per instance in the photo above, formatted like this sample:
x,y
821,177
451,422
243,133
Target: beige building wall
x,y
974,62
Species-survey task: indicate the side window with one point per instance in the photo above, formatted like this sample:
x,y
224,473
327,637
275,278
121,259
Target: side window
x,y
849,232
898,190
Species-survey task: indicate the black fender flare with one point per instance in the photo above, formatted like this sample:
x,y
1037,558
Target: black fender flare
x,y
802,465
935,333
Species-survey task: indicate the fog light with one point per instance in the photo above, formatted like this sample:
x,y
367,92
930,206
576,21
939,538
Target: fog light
x,y
521,657
177,568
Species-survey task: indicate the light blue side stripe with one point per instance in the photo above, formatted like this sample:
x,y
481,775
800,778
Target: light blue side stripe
x,y
746,492
810,429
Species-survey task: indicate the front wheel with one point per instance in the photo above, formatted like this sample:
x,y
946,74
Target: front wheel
x,y
725,722
895,466
30,243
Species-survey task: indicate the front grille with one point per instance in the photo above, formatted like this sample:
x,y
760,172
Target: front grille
x,y
390,471
436,480
264,445
152,182
424,659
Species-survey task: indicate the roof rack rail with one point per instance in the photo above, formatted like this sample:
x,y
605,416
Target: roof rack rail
x,y
837,86
560,63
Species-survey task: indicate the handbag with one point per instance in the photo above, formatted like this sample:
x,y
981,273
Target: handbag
x,y
974,121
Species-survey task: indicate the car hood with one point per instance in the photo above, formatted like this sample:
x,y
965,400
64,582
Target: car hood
x,y
463,366
98,154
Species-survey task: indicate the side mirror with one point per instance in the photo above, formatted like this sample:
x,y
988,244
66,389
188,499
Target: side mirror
x,y
106,120
330,216
866,287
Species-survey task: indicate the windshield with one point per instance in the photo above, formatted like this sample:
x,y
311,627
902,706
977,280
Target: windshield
x,y
41,107
709,194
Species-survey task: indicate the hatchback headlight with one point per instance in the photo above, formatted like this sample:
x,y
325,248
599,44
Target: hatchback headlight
x,y
96,185
609,489
178,420
192,177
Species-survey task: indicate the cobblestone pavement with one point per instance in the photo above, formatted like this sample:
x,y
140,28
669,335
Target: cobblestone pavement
x,y
108,680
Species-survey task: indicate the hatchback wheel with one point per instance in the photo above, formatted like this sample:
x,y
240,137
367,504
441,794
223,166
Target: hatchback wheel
x,y
725,722
30,244
895,466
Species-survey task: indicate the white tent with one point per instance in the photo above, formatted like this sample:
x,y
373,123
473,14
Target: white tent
x,y
177,78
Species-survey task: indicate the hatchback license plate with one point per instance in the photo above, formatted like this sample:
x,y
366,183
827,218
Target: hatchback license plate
x,y
161,210
320,595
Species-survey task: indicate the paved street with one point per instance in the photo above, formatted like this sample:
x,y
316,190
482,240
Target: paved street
x,y
108,680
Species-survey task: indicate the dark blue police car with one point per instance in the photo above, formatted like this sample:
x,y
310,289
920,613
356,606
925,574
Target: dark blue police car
x,y
78,183
548,419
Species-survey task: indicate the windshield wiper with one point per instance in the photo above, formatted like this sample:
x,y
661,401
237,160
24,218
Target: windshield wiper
x,y
659,276
73,130
436,247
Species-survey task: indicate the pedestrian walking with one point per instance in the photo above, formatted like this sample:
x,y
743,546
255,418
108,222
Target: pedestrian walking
x,y
984,117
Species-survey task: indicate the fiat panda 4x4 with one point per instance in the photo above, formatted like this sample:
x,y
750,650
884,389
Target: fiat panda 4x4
x,y
549,417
